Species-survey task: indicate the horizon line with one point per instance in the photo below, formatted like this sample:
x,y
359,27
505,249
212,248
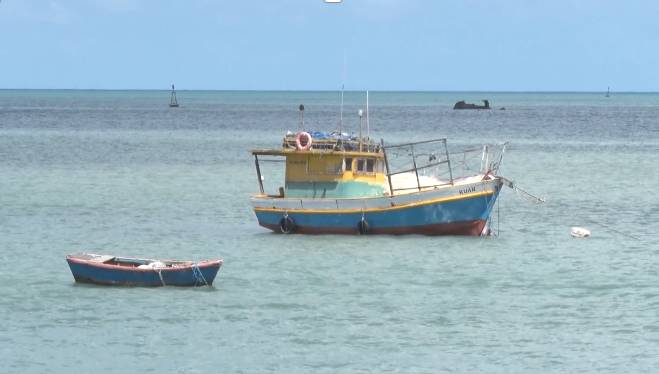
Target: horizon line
x,y
324,90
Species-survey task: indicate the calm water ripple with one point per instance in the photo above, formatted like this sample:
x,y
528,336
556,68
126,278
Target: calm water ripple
x,y
119,172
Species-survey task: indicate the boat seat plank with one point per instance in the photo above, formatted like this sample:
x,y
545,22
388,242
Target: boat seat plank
x,y
102,258
92,257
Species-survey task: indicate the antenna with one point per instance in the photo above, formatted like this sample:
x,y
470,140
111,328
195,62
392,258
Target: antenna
x,y
368,129
360,113
341,117
342,89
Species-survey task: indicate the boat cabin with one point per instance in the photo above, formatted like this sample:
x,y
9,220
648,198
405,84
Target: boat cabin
x,y
321,165
332,166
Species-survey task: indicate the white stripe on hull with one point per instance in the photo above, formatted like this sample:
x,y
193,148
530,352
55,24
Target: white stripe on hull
x,y
489,185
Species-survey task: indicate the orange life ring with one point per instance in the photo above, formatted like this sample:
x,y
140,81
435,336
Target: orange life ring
x,y
305,137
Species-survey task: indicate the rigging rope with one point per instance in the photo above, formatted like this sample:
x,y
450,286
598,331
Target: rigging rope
x,y
196,272
529,197
612,229
159,271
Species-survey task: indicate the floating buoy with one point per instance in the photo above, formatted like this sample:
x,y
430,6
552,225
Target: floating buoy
x,y
579,232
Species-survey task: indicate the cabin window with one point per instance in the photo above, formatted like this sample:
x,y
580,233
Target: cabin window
x,y
361,163
366,165
370,165
348,164
379,166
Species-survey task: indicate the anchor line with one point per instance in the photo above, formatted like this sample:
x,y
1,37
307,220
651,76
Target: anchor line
x,y
519,192
490,205
612,229
196,272
498,217
529,197
159,271
522,193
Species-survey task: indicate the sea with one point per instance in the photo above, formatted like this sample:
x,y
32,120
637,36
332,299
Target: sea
x,y
119,172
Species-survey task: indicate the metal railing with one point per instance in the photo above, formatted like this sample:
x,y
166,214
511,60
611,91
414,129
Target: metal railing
x,y
431,156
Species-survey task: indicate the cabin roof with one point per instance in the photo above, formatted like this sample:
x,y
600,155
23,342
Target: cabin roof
x,y
313,152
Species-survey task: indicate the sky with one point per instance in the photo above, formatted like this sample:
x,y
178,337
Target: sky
x,y
408,45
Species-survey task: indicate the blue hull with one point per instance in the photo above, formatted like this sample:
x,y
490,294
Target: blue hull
x,y
466,216
196,275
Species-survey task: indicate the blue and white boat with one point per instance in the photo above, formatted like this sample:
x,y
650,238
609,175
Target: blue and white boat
x,y
127,271
340,184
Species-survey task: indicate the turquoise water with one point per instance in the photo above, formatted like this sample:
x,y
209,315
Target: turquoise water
x,y
119,172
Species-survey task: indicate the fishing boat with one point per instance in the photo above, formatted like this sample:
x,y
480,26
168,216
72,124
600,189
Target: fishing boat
x,y
335,183
126,271
173,103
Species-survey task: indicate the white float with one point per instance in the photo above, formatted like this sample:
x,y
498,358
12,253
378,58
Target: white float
x,y
579,232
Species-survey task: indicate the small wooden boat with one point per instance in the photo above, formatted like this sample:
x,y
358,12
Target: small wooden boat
x,y
125,271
